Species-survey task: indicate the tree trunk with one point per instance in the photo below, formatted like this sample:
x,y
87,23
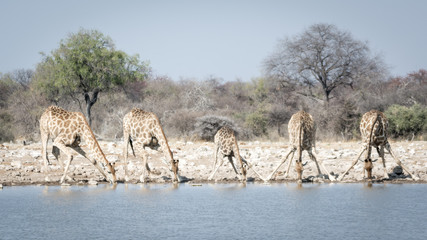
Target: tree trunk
x,y
89,103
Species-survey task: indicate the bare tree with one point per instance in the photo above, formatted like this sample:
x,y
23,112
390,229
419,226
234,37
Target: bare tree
x,y
322,55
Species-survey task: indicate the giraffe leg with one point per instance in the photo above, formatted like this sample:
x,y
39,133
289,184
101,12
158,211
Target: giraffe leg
x,y
145,168
56,152
400,163
45,138
125,153
381,153
313,156
216,169
215,156
289,164
140,148
251,167
352,164
278,166
80,151
58,143
230,159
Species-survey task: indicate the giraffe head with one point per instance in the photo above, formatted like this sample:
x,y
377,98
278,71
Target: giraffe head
x,y
299,168
368,163
111,170
175,170
368,167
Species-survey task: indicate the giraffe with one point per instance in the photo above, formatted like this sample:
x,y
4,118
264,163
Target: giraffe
x,y
142,129
225,141
67,129
373,128
302,134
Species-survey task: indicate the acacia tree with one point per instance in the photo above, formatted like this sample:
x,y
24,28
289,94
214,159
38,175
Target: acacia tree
x,y
322,55
87,63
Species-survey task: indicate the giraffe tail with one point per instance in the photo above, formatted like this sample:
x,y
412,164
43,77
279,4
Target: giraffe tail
x,y
131,147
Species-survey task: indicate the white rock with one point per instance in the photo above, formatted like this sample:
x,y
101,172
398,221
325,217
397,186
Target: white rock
x,y
29,169
93,182
16,164
55,167
35,154
1,186
112,158
201,167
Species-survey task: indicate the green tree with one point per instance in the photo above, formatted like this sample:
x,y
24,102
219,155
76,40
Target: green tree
x,y
87,63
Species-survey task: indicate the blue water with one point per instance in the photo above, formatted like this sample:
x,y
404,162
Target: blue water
x,y
215,211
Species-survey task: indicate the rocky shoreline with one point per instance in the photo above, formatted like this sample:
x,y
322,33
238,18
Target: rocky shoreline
x,y
22,164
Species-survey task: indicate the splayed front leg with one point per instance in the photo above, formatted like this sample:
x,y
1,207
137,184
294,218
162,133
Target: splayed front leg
x,y
352,164
278,166
400,163
313,156
249,166
216,169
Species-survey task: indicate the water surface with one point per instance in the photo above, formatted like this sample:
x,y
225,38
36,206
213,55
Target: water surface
x,y
215,211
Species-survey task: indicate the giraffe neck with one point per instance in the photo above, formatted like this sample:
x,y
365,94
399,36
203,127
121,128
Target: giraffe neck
x,y
163,142
300,141
371,136
236,149
97,153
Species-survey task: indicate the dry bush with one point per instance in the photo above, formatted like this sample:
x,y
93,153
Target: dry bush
x,y
180,123
108,114
207,126
26,107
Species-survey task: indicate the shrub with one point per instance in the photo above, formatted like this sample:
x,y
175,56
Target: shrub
x,y
207,126
6,127
257,122
407,121
179,123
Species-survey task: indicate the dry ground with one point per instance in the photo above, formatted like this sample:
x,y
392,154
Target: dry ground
x,y
21,165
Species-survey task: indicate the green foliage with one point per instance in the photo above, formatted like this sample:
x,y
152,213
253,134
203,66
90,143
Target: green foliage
x,y
257,122
407,121
258,91
85,62
6,133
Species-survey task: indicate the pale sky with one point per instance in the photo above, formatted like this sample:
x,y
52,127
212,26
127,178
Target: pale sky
x,y
221,38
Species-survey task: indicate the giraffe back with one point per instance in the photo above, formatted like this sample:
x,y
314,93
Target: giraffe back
x,y
369,123
304,121
56,121
143,126
226,140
